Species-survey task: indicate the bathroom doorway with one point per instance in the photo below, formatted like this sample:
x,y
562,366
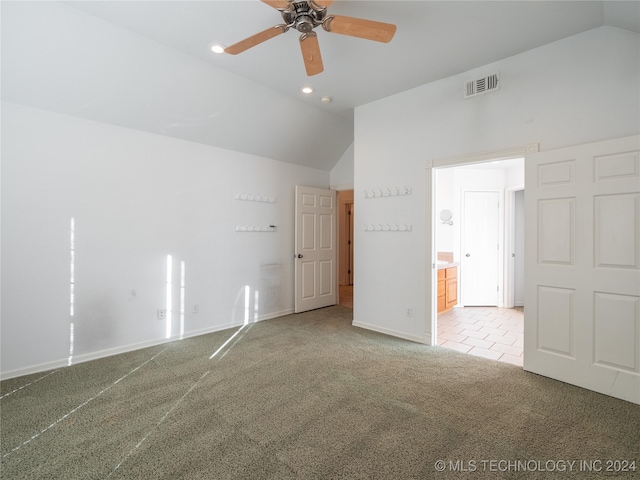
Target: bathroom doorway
x,y
492,329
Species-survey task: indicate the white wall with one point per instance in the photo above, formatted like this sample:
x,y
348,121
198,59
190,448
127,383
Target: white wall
x,y
514,176
341,176
136,198
578,90
446,200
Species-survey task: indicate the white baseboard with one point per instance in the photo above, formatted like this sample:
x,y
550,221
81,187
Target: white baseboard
x,y
281,313
86,357
64,362
387,331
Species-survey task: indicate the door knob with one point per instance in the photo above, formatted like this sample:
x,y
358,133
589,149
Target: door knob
x,y
468,255
299,255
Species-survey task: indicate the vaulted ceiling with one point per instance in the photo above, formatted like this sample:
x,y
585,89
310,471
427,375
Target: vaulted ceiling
x,y
147,65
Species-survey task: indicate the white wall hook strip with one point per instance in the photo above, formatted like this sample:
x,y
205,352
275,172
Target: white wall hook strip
x,y
256,228
251,197
388,227
387,192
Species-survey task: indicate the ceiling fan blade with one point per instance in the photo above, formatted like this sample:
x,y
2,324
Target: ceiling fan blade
x,y
311,53
359,27
256,39
324,3
276,3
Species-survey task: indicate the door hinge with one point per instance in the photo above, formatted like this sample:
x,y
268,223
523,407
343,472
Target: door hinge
x,y
349,242
349,212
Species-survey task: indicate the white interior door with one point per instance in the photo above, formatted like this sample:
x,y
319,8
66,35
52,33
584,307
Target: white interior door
x,y
480,258
582,296
315,262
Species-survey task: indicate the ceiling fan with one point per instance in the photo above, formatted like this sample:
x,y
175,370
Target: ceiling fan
x,y
304,16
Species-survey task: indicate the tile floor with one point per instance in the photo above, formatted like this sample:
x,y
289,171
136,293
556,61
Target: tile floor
x,y
490,332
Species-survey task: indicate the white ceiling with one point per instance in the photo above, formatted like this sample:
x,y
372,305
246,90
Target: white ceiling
x,y
252,102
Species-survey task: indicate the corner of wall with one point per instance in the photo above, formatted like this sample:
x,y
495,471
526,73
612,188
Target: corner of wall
x,y
342,174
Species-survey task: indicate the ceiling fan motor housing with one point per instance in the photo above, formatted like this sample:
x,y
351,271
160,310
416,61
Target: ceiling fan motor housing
x,y
304,16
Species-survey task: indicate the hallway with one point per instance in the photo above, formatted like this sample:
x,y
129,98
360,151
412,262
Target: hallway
x,y
345,293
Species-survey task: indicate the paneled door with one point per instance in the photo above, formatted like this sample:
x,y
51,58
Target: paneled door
x,y
582,294
315,255
480,248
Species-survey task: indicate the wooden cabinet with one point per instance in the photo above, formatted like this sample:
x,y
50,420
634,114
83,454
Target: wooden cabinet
x,y
447,288
451,287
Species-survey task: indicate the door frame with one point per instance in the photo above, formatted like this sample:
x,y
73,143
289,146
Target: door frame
x,y
509,244
431,282
345,198
339,196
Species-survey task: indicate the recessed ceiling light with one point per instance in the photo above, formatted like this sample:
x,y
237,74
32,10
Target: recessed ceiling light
x,y
307,90
326,99
217,48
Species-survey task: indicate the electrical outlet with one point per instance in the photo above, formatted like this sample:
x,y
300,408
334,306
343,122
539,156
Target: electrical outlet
x,y
409,311
196,308
162,314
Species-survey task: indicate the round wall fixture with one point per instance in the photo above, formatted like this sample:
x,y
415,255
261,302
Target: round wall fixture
x,y
446,216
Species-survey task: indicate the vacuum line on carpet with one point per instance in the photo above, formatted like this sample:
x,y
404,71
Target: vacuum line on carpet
x,y
26,385
133,450
162,419
86,402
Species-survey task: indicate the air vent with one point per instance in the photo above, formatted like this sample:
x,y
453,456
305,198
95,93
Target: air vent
x,y
481,85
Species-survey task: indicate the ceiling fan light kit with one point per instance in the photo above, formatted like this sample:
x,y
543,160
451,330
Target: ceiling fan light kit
x,y
305,16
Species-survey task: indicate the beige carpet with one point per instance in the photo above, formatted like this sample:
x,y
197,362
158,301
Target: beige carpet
x,y
308,396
